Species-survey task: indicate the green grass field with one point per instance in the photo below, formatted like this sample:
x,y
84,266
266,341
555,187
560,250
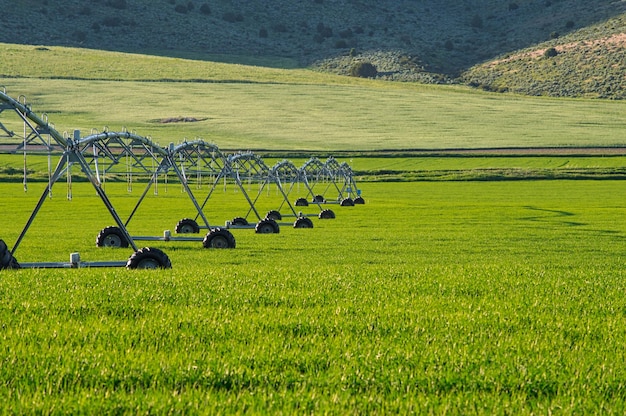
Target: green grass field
x,y
452,290
499,297
248,108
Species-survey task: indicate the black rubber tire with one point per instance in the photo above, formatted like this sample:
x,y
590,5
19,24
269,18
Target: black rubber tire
x,y
319,198
219,238
326,214
239,221
7,261
187,226
301,202
347,202
359,201
267,226
303,222
149,258
274,215
111,236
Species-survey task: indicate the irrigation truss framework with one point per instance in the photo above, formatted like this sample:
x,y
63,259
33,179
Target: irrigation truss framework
x,y
125,154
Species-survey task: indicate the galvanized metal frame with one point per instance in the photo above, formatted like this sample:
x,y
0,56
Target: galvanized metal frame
x,y
74,150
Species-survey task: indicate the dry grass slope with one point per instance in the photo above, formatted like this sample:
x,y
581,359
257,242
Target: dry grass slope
x,y
427,41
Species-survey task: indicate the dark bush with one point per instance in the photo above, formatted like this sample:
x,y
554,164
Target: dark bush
x,y
279,28
363,70
550,52
111,21
554,35
96,27
341,44
569,24
205,9
324,31
345,34
448,45
116,4
84,11
79,36
263,32
180,8
190,6
513,6
476,22
232,17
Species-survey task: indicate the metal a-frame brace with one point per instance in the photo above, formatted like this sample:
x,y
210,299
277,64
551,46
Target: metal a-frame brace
x,y
242,167
341,176
189,155
253,168
330,174
72,154
288,173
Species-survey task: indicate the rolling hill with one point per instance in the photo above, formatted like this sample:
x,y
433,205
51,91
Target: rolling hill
x,y
494,45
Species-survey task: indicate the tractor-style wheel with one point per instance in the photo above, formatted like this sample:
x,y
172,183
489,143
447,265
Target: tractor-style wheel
x,y
267,226
326,214
319,198
219,238
111,237
359,200
303,222
347,202
187,226
301,202
149,258
274,215
239,221
7,261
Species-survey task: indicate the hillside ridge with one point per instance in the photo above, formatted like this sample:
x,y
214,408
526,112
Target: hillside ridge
x,y
426,41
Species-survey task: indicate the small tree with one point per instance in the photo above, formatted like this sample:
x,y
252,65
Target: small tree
x,y
205,9
363,70
550,53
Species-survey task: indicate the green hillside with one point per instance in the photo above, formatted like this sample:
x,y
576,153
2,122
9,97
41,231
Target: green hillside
x,y
425,41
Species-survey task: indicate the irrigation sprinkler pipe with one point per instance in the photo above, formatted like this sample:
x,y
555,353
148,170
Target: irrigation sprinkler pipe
x,y
26,114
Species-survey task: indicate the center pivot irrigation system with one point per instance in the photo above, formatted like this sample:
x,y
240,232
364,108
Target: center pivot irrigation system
x,y
102,155
38,132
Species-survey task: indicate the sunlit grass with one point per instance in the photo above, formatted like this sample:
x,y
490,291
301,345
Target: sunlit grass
x,y
494,297
260,108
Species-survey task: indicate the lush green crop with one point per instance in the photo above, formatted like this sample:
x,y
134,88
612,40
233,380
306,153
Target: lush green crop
x,y
433,297
250,108
502,297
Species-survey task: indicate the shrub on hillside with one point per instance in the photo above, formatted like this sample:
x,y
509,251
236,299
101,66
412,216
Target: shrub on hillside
x,y
205,9
116,4
363,70
279,28
180,8
476,22
263,32
232,17
111,21
324,31
79,36
550,53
